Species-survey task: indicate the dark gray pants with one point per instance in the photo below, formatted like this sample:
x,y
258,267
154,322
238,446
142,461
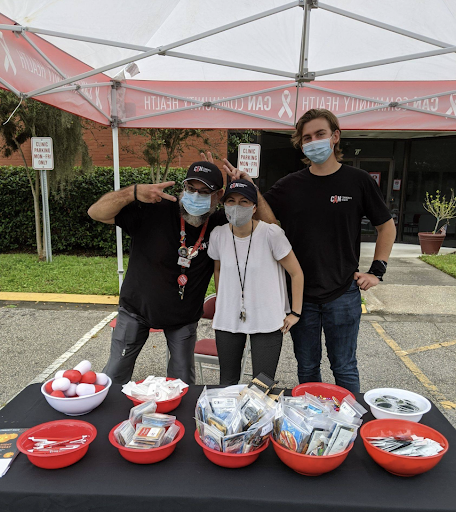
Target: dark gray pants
x,y
265,348
128,339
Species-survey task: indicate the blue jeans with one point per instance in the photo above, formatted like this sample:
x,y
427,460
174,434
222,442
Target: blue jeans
x,y
339,320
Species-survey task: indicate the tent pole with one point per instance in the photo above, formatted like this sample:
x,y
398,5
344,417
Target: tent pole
x,y
304,56
115,157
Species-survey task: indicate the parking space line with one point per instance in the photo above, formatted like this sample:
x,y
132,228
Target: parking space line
x,y
430,347
43,376
403,356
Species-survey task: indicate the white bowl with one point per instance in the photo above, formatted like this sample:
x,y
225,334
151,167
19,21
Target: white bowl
x,y
78,405
379,413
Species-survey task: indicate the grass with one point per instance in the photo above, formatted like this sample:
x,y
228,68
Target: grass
x,y
66,274
444,262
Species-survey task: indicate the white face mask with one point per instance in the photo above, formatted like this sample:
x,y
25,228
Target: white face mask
x,y
238,215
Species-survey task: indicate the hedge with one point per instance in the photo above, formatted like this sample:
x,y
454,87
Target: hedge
x,y
72,230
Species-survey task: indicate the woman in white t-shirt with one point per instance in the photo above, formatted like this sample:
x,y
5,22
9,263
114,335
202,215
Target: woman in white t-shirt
x,y
250,259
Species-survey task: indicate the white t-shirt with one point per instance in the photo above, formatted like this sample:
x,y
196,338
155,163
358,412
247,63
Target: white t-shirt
x,y
265,291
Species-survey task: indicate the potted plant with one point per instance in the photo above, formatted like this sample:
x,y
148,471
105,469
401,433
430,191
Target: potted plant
x,y
443,211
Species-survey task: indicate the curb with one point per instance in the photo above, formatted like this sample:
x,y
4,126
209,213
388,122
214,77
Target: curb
x,y
60,297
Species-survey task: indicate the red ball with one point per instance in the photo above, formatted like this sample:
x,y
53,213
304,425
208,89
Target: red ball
x,y
73,375
60,394
88,378
48,387
98,388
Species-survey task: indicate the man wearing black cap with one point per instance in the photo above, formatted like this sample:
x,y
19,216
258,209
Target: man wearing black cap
x,y
169,269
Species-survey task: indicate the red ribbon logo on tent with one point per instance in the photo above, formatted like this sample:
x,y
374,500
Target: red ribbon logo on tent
x,y
8,59
286,97
452,110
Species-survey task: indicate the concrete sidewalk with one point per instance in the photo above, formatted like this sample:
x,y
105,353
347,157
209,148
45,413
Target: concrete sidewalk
x,y
411,286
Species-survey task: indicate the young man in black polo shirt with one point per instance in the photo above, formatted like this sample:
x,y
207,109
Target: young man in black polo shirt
x,y
320,209
169,269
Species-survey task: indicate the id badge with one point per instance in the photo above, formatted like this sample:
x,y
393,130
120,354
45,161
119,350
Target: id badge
x,y
183,262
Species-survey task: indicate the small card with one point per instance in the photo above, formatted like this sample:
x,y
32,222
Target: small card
x,y
183,262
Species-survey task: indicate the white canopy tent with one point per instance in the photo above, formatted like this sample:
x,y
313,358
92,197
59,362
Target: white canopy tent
x,y
377,64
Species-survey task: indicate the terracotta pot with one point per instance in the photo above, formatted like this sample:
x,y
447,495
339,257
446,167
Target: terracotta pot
x,y
431,242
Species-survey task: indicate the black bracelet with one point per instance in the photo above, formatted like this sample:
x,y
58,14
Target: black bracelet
x,y
295,314
378,269
137,202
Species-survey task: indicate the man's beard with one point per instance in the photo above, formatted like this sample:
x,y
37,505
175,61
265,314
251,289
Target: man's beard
x,y
195,220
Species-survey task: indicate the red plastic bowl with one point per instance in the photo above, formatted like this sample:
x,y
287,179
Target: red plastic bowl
x,y
230,460
323,389
147,456
65,429
401,465
164,405
309,465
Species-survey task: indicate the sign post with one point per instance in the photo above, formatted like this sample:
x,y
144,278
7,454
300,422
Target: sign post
x,y
249,159
43,160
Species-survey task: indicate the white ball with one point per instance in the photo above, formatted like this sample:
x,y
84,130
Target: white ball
x,y
71,391
83,367
85,389
61,384
59,374
102,379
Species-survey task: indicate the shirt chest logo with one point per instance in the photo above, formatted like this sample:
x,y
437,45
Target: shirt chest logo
x,y
340,199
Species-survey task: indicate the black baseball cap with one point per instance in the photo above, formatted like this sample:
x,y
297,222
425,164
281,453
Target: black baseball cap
x,y
207,173
243,187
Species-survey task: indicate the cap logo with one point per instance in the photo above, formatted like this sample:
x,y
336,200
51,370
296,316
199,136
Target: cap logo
x,y
238,185
200,168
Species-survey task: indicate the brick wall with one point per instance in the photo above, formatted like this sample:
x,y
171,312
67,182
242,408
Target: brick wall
x,y
99,141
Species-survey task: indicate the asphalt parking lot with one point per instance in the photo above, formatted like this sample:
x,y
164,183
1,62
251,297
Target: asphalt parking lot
x,y
414,352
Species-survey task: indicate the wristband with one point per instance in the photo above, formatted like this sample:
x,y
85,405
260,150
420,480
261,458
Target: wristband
x,y
134,195
378,269
295,314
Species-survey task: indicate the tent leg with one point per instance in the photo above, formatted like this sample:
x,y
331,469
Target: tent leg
x,y
115,155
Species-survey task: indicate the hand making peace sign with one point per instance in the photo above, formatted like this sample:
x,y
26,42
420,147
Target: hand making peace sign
x,y
154,193
231,171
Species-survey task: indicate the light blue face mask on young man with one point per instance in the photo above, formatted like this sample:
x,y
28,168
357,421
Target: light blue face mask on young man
x,y
196,204
318,151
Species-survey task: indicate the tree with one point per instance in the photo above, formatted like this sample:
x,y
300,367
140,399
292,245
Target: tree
x,y
163,145
35,119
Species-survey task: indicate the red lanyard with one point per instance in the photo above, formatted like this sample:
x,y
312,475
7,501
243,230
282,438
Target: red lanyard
x,y
200,239
185,255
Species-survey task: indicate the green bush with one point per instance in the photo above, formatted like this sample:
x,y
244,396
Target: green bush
x,y
72,230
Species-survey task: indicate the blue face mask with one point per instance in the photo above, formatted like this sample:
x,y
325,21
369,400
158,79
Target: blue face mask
x,y
318,151
196,204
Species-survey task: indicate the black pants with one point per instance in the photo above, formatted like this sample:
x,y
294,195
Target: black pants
x,y
128,339
265,347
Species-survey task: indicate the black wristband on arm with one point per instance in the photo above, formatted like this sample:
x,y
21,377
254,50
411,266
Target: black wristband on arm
x,y
378,269
134,195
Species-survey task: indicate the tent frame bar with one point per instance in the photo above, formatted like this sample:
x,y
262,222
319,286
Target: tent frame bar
x,y
11,88
214,103
57,70
391,60
74,88
376,100
161,50
386,26
230,64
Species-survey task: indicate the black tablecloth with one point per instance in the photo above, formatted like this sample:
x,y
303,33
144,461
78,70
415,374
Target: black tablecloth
x,y
187,481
